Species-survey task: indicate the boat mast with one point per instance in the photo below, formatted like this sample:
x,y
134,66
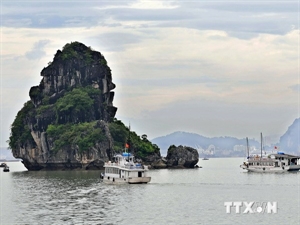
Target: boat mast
x,y
129,142
247,147
261,144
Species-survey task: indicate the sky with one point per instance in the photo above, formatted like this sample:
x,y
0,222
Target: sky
x,y
215,68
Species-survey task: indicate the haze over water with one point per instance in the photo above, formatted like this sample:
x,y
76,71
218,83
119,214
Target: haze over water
x,y
190,196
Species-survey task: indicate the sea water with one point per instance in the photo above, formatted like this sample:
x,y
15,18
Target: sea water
x,y
174,196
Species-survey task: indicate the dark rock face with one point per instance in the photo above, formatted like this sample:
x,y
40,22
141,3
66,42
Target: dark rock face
x,y
182,157
178,157
77,66
159,164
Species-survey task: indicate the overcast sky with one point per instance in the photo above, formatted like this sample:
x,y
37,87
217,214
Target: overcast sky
x,y
216,68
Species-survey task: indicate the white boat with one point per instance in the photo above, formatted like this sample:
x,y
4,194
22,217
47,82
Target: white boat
x,y
125,170
275,162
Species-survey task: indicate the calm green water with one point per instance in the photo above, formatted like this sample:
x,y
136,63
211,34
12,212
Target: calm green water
x,y
194,196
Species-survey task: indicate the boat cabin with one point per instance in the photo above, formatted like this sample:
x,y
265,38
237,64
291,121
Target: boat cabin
x,y
124,169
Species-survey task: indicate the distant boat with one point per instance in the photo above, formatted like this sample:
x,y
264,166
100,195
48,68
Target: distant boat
x,y
6,169
276,162
3,165
205,158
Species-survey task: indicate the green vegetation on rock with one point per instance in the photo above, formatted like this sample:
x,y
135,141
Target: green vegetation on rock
x,y
121,135
84,135
70,51
74,103
20,132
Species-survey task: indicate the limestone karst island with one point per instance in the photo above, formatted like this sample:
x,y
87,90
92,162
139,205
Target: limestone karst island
x,y
69,121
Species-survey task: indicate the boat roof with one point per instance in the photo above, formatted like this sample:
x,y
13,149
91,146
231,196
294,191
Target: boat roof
x,y
123,155
285,155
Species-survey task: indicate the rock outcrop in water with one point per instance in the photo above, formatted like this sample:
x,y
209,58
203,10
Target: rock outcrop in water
x,y
69,122
178,157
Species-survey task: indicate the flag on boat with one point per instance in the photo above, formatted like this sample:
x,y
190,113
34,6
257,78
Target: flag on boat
x,y
126,145
275,147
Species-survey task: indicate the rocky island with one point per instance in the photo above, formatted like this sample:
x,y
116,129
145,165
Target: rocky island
x,y
69,121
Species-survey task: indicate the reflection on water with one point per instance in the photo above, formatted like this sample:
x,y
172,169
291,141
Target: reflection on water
x,y
192,196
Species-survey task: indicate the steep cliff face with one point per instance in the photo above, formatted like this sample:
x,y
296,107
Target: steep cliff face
x,y
65,124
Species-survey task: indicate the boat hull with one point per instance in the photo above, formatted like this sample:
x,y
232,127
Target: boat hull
x,y
294,168
130,180
261,170
264,169
139,180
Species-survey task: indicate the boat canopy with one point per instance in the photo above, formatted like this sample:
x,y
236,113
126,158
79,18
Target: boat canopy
x,y
287,156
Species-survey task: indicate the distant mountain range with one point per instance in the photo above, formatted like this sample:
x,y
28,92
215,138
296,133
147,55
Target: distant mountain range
x,y
213,145
228,146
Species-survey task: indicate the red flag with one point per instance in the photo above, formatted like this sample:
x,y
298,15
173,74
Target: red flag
x,y
275,147
126,145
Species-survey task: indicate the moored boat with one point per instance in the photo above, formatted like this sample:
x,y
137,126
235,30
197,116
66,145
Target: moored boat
x,y
3,165
6,169
275,162
124,170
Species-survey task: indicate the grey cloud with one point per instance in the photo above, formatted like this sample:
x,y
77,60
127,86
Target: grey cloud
x,y
53,14
238,22
253,7
243,19
37,51
130,14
